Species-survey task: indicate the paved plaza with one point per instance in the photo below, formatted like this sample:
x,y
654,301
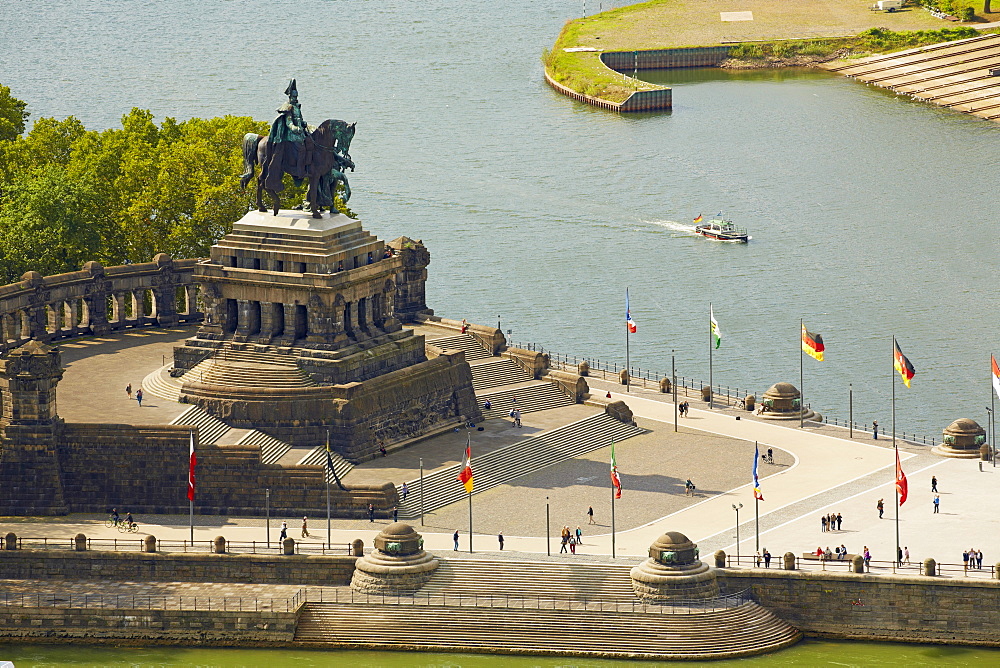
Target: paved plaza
x,y
817,470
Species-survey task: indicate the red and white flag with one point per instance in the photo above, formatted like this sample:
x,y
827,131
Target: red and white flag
x,y
629,322
465,475
192,462
996,375
900,480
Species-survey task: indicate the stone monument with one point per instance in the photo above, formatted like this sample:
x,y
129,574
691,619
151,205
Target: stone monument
x,y
397,564
782,401
673,572
961,439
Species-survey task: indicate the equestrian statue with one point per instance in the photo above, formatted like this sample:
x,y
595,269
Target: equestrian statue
x,y
320,154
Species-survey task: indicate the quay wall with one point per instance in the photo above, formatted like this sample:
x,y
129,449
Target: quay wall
x,y
109,566
640,100
661,59
896,608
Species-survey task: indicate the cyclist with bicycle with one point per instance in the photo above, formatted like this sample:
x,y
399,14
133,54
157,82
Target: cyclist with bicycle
x,y
114,516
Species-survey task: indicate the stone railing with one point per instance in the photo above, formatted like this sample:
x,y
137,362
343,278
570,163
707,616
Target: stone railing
x,y
98,300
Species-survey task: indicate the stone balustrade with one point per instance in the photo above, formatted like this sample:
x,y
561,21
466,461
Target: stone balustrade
x,y
98,300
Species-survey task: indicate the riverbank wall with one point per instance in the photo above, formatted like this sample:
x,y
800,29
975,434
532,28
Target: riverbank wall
x,y
641,100
892,608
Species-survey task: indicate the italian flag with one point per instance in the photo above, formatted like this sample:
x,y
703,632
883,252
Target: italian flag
x,y
465,475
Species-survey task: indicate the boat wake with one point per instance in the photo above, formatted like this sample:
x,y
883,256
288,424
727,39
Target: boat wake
x,y
672,226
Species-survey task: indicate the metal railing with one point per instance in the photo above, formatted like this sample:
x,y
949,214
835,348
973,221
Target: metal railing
x,y
581,603
916,439
874,567
173,546
152,602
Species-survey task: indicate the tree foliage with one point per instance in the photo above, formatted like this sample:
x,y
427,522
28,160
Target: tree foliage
x,y
69,195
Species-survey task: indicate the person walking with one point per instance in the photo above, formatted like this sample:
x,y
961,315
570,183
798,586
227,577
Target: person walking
x,y
875,429
565,540
128,391
899,556
455,538
395,514
371,512
284,532
756,560
881,508
517,417
579,536
688,488
405,490
770,455
867,557
934,484
572,544
138,396
965,561
937,503
305,528
906,555
590,515
500,540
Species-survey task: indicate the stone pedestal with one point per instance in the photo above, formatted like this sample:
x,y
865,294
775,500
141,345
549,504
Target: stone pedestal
x,y
962,439
397,564
782,401
673,572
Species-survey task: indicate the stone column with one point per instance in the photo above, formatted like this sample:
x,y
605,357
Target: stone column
x,y
243,320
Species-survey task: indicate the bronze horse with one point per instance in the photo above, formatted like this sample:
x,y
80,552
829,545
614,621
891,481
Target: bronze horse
x,y
327,157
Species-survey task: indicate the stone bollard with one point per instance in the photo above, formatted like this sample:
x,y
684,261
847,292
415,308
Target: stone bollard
x,y
583,368
930,567
720,558
984,453
623,377
288,546
358,547
749,402
789,560
665,385
858,564
220,545
149,544
80,542
10,541
706,393
996,571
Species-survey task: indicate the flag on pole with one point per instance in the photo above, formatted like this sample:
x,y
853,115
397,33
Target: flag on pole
x,y
329,458
465,475
900,480
191,463
628,315
615,480
757,494
812,344
716,332
903,366
698,219
996,375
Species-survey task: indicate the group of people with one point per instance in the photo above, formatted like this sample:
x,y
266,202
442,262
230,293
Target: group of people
x,y
688,487
683,408
972,558
832,522
765,557
138,393
116,518
839,552
571,539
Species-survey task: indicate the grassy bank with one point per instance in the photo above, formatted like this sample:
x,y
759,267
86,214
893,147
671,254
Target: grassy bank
x,y
776,34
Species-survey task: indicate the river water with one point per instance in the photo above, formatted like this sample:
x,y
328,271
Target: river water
x,y
871,215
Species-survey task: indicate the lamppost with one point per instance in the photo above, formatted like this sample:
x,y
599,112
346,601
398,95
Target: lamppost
x,y
737,509
548,544
991,423
267,514
850,409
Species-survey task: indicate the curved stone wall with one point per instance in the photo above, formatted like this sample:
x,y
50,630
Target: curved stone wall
x,y
97,300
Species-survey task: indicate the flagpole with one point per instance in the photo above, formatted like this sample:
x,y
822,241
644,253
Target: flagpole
x,y
327,476
802,382
628,373
612,521
191,498
469,434
711,392
756,503
673,380
895,486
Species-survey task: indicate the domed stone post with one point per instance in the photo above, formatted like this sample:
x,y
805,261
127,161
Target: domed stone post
x,y
789,561
720,559
80,542
858,564
288,546
930,567
149,544
220,545
10,541
397,564
357,547
665,386
583,368
673,571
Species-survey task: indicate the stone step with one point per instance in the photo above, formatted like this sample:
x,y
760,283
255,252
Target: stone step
x,y
499,467
317,457
539,396
745,629
271,449
210,428
496,373
161,385
464,342
231,373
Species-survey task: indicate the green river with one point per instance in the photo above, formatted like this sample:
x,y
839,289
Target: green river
x,y
807,653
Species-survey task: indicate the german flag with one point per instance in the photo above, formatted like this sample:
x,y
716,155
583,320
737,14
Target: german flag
x,y
812,344
903,366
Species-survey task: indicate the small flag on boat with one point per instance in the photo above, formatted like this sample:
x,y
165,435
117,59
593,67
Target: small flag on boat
x,y
757,494
698,219
716,332
902,364
812,344
628,316
996,375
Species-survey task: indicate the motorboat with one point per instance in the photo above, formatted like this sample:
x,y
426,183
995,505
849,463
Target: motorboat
x,y
722,230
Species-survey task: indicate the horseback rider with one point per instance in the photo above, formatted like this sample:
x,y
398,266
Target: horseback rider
x,y
289,141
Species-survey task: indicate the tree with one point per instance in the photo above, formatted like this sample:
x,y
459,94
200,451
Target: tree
x,y
13,115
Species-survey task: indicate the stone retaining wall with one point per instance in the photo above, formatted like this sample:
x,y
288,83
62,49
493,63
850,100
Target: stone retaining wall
x,y
897,608
661,59
106,566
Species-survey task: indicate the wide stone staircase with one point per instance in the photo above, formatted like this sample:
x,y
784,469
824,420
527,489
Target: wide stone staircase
x,y
742,630
530,397
496,372
317,457
210,428
464,342
513,461
239,368
271,448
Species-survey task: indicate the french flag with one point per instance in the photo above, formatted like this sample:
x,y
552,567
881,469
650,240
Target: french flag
x,y
628,316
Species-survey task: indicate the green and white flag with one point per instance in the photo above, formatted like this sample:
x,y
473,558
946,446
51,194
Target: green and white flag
x,y
716,332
